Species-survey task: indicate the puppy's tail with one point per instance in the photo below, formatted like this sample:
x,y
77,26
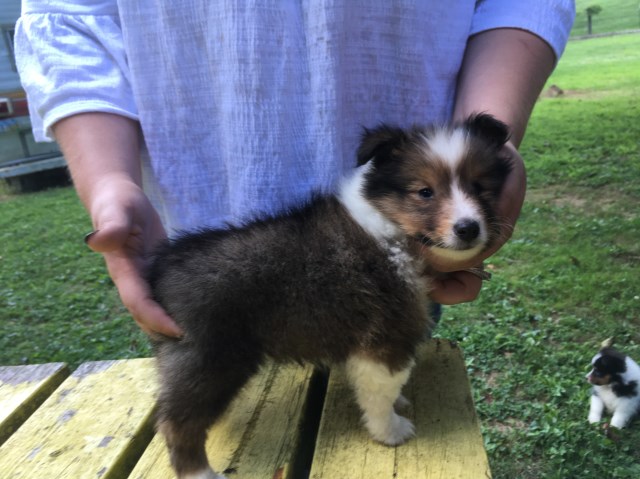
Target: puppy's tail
x,y
607,343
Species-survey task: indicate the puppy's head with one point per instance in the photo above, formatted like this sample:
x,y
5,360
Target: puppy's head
x,y
440,185
608,366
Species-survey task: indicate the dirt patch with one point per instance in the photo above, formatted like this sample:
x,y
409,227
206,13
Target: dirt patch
x,y
509,425
6,195
557,197
555,91
593,201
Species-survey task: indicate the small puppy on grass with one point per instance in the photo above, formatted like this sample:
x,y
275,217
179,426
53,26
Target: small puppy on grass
x,y
616,387
340,281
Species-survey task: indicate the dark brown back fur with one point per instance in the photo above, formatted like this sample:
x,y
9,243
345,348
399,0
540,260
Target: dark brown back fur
x,y
309,286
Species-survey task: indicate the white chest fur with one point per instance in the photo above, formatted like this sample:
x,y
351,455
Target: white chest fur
x,y
609,398
384,231
409,268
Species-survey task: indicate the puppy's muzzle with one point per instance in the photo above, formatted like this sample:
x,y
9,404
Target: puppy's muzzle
x,y
466,229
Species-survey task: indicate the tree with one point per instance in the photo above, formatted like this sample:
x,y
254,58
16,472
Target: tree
x,y
591,11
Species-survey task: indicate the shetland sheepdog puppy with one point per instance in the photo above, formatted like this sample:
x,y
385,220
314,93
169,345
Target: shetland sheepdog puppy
x,y
340,280
616,386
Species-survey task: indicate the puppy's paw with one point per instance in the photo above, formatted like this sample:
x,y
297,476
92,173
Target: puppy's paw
x,y
593,419
397,431
620,421
611,432
402,430
204,474
401,403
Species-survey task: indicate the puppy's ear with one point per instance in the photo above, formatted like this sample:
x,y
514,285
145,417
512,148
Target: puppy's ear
x,y
607,343
489,128
378,142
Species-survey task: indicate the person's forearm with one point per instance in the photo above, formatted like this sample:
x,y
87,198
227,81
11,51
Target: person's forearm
x,y
99,147
102,151
503,72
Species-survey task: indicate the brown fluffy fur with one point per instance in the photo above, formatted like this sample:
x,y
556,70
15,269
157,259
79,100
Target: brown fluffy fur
x,y
310,285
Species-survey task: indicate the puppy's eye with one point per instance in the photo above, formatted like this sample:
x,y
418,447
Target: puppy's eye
x,y
425,193
477,188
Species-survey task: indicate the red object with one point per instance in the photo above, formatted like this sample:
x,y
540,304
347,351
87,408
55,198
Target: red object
x,y
13,107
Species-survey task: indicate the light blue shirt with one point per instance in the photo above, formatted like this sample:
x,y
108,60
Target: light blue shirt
x,y
249,106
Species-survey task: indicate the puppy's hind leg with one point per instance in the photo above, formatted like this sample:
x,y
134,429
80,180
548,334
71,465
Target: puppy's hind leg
x,y
186,449
193,394
377,389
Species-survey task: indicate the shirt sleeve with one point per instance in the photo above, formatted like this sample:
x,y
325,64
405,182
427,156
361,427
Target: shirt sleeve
x,y
551,20
71,60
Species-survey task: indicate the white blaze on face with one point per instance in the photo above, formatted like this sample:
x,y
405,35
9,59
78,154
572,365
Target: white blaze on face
x,y
463,207
451,147
593,361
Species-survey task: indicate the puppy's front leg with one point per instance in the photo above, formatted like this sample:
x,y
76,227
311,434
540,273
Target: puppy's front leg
x,y
377,389
596,409
401,403
623,414
206,474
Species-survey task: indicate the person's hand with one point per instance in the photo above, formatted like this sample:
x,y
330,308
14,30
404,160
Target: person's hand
x,y
126,228
459,286
102,151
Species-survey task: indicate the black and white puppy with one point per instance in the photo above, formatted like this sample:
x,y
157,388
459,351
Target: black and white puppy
x,y
616,386
340,280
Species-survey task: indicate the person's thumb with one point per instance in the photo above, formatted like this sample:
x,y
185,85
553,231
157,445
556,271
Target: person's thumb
x,y
112,229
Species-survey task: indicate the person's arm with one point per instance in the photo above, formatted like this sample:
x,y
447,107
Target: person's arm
x,y
73,67
102,151
502,74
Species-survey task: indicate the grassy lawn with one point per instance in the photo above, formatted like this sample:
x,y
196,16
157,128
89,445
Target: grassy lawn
x,y
616,15
57,302
568,279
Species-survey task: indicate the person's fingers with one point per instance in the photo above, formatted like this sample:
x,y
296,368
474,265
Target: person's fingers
x,y
113,224
456,287
127,228
511,198
136,297
122,215
150,316
110,236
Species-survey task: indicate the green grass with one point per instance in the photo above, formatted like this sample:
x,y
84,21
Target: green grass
x,y
616,15
57,302
568,279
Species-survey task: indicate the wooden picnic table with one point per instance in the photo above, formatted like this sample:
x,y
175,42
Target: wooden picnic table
x,y
290,422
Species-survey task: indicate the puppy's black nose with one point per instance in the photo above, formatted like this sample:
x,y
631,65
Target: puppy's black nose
x,y
466,229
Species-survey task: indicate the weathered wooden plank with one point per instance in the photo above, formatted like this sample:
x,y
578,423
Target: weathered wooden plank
x,y
95,425
25,167
260,436
448,443
23,389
